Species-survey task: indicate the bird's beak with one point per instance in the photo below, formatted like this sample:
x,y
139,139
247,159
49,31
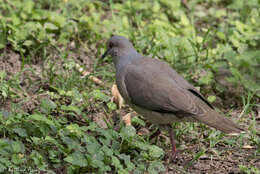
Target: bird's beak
x,y
105,54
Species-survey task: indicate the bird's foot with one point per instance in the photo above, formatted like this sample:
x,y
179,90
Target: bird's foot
x,y
174,155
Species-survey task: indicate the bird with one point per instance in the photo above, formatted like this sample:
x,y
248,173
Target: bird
x,y
152,88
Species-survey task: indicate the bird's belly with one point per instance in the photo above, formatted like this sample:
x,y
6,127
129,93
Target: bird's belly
x,y
161,118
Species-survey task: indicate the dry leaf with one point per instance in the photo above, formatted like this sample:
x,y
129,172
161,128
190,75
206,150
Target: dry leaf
x,y
143,131
21,155
117,98
185,4
86,73
99,118
127,119
248,147
257,114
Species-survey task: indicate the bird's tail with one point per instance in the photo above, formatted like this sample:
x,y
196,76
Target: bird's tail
x,y
214,119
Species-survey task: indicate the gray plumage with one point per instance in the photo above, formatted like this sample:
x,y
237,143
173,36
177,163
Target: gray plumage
x,y
156,91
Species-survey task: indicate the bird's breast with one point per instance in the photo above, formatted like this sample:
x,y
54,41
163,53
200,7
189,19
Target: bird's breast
x,y
121,86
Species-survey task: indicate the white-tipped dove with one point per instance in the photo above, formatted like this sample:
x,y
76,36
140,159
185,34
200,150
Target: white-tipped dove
x,y
156,91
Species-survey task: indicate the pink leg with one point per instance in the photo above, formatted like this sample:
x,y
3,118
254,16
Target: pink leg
x,y
172,143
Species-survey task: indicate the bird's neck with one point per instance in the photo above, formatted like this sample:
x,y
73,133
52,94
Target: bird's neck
x,y
125,59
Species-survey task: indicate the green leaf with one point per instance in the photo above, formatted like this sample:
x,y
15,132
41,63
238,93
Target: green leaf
x,y
97,94
42,118
2,75
2,167
20,131
38,159
172,4
28,43
50,26
127,132
116,163
51,140
57,19
197,156
36,140
71,108
92,126
138,121
16,159
111,106
207,79
107,151
211,98
77,159
74,128
156,167
92,148
47,106
54,156
130,166
155,151
28,6
184,20
221,35
2,44
97,161
15,19
236,4
16,146
5,162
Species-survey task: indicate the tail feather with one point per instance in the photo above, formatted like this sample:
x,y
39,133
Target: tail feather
x,y
214,119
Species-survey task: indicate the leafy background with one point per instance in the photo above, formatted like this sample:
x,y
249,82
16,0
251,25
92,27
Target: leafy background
x,y
55,121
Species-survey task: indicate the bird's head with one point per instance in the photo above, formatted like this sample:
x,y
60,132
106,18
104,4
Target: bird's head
x,y
118,46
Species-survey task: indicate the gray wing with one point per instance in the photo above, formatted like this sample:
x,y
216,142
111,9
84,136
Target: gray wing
x,y
154,85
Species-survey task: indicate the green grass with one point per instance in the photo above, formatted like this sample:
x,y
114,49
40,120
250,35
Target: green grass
x,y
47,108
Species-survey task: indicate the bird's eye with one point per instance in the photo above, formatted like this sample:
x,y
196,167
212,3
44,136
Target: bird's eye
x,y
110,45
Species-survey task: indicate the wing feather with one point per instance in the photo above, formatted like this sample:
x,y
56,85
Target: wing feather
x,y
150,85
